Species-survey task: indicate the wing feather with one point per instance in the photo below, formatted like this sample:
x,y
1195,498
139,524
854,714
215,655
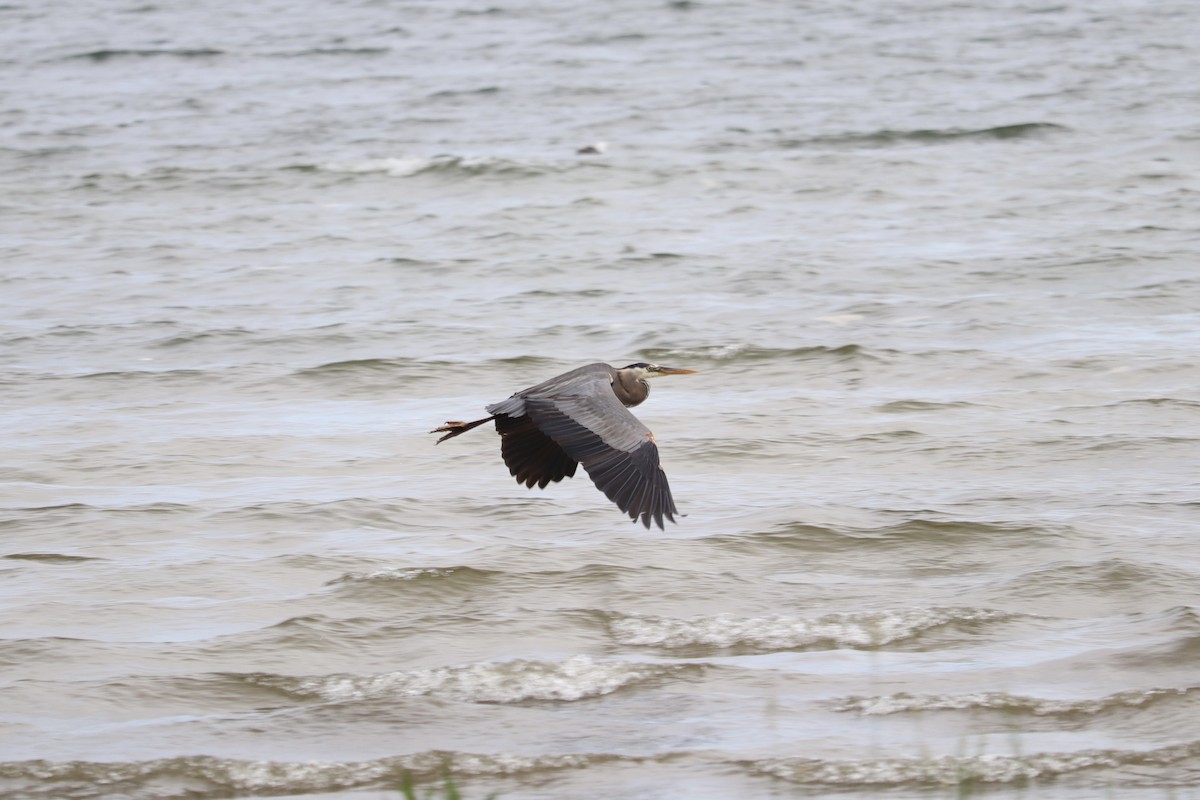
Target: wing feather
x,y
533,458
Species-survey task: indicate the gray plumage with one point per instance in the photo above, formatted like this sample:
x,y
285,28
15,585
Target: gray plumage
x,y
582,417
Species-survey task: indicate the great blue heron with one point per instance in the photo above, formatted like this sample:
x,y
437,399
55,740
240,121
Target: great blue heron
x,y
580,417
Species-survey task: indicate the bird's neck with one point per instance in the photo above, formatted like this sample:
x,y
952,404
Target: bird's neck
x,y
631,391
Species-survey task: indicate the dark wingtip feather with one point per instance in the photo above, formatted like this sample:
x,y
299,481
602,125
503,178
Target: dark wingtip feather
x,y
533,458
632,479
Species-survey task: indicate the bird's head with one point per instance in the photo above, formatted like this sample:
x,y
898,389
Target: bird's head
x,y
641,370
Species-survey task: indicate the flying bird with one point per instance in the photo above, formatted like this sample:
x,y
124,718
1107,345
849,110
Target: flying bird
x,y
582,417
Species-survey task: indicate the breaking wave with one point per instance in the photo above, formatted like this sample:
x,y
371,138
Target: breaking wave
x,y
849,630
965,770
516,681
450,165
1002,701
199,777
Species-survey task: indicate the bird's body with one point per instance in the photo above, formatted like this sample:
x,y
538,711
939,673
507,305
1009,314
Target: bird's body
x,y
581,417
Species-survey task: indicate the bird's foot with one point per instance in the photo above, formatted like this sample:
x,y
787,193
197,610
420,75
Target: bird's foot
x,y
452,429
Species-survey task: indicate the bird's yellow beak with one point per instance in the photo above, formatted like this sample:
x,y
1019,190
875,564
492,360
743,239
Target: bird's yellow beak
x,y
674,371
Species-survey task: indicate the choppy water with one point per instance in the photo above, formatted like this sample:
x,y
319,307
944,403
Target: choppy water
x,y
935,262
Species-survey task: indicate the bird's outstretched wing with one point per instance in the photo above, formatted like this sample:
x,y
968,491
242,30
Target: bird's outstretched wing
x,y
592,427
533,458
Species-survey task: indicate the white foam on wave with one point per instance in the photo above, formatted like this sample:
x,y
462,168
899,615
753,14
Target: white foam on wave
x,y
405,167
395,574
866,629
1002,701
395,167
210,775
576,678
963,770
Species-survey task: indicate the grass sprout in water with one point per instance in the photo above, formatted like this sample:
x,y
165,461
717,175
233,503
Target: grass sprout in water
x,y
448,789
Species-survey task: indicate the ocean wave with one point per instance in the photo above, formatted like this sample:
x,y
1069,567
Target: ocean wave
x,y
200,777
114,54
358,511
1111,579
448,165
805,537
464,577
63,513
1085,445
120,376
726,354
926,136
51,558
365,373
966,770
861,630
203,336
922,406
1002,701
439,579
334,51
517,681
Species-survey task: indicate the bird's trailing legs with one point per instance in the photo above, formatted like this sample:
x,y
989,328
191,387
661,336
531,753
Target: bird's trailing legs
x,y
452,429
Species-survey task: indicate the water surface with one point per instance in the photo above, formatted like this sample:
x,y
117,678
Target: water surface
x,y
935,264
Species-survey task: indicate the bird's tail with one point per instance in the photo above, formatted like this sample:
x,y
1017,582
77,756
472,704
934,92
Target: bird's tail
x,y
452,429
